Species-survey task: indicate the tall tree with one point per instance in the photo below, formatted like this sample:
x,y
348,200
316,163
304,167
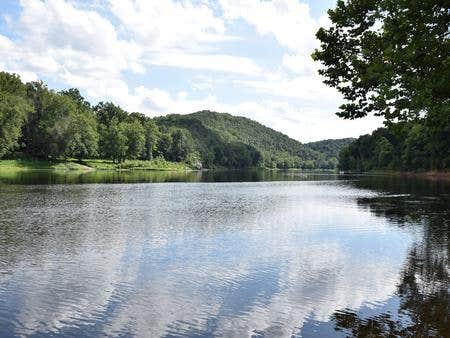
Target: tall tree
x,y
146,125
135,134
76,96
106,111
54,126
83,135
181,145
13,111
82,138
151,133
37,92
388,57
115,144
164,145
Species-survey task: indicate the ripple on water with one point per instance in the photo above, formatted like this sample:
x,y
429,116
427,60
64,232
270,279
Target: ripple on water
x,y
234,259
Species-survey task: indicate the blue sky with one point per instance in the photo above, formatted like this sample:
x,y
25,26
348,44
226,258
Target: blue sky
x,y
245,57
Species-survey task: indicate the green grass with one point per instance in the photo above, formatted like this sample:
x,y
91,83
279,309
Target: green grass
x,y
29,164
155,164
72,164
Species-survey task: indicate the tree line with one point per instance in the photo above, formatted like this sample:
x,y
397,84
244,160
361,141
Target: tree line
x,y
45,124
404,146
37,122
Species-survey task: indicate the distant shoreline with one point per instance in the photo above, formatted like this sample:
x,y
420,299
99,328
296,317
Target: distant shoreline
x,y
72,165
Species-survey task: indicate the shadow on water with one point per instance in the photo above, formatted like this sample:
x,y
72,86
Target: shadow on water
x,y
423,287
154,176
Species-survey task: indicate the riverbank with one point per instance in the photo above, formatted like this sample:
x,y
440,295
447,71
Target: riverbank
x,y
95,164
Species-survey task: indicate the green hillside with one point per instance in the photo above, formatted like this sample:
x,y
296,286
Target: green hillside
x,y
232,141
330,148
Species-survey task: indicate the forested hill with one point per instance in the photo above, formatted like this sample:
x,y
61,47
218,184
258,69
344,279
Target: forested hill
x,y
331,147
233,141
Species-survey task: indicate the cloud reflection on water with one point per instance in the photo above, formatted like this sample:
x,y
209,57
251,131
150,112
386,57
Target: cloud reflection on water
x,y
226,259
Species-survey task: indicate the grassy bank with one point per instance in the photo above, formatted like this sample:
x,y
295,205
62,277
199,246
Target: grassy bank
x,y
29,164
96,164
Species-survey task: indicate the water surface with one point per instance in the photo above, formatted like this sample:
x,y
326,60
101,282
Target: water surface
x,y
235,254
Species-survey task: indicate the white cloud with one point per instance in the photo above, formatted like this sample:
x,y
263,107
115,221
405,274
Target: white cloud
x,y
225,63
157,102
60,25
169,24
305,88
300,63
179,34
289,21
292,25
88,52
74,46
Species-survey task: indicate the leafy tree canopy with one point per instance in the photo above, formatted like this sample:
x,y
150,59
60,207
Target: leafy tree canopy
x,y
388,57
14,109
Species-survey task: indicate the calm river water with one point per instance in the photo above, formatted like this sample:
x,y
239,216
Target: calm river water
x,y
234,254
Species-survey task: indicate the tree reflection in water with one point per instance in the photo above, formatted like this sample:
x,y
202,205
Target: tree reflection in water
x,y
424,283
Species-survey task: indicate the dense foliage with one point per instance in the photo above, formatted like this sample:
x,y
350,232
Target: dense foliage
x,y
405,146
43,124
40,123
330,148
392,58
13,111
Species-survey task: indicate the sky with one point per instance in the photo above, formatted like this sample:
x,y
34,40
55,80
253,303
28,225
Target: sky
x,y
245,57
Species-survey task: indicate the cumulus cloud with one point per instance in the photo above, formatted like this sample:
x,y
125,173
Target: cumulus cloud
x,y
169,24
289,21
84,52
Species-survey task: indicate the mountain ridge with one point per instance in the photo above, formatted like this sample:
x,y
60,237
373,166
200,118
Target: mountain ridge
x,y
212,132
